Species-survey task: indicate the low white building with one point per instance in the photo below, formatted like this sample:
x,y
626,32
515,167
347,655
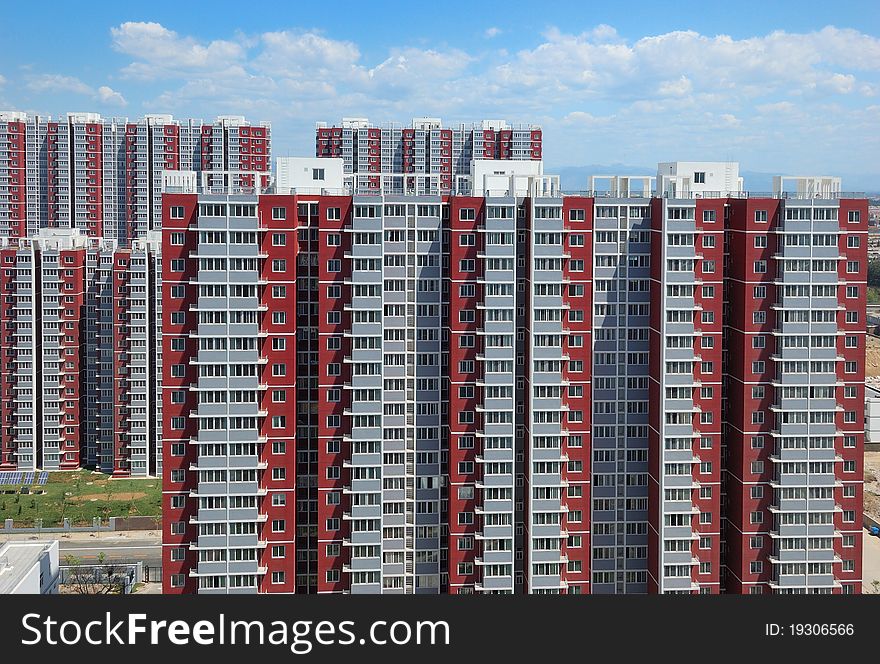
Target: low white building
x,y
29,568
872,416
690,179
309,174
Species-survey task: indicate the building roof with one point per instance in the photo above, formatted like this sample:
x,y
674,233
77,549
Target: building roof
x,y
17,559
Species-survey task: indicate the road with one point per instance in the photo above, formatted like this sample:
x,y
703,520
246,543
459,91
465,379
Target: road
x,y
121,547
147,551
870,562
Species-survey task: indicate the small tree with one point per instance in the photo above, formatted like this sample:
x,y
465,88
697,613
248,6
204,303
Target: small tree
x,y
104,579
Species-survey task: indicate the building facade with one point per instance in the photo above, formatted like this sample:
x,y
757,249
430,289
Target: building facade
x,y
79,376
426,146
637,391
103,176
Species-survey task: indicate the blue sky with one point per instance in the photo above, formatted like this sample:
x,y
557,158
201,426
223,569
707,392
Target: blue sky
x,y
790,87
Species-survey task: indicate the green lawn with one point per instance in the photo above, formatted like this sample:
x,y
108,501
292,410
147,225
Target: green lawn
x,y
80,496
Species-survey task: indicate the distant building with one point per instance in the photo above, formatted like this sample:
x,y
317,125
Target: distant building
x,y
872,417
426,146
29,568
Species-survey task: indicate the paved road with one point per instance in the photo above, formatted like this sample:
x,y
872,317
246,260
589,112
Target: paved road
x,y
870,561
128,547
147,551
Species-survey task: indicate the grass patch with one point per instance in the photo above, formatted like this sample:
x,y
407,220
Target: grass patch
x,y
81,496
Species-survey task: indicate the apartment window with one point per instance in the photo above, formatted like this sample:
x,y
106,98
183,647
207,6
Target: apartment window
x,y
708,217
279,239
700,177
334,214
760,241
177,212
760,267
278,525
334,239
761,216
177,238
279,213
756,567
467,214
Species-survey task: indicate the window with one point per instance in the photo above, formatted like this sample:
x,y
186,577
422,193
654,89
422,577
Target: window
x,y
177,238
700,177
334,214
761,216
279,239
177,212
760,241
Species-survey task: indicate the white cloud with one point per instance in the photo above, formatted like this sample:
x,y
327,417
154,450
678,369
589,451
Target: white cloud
x,y
109,96
662,91
162,52
585,119
677,88
57,84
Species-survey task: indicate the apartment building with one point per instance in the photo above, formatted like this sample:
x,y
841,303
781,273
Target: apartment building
x,y
78,376
426,146
103,176
794,424
647,390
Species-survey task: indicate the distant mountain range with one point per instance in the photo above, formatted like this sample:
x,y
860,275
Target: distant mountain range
x,y
576,178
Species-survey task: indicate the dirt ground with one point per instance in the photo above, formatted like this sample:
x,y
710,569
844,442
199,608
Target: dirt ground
x,y
130,495
872,484
872,356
